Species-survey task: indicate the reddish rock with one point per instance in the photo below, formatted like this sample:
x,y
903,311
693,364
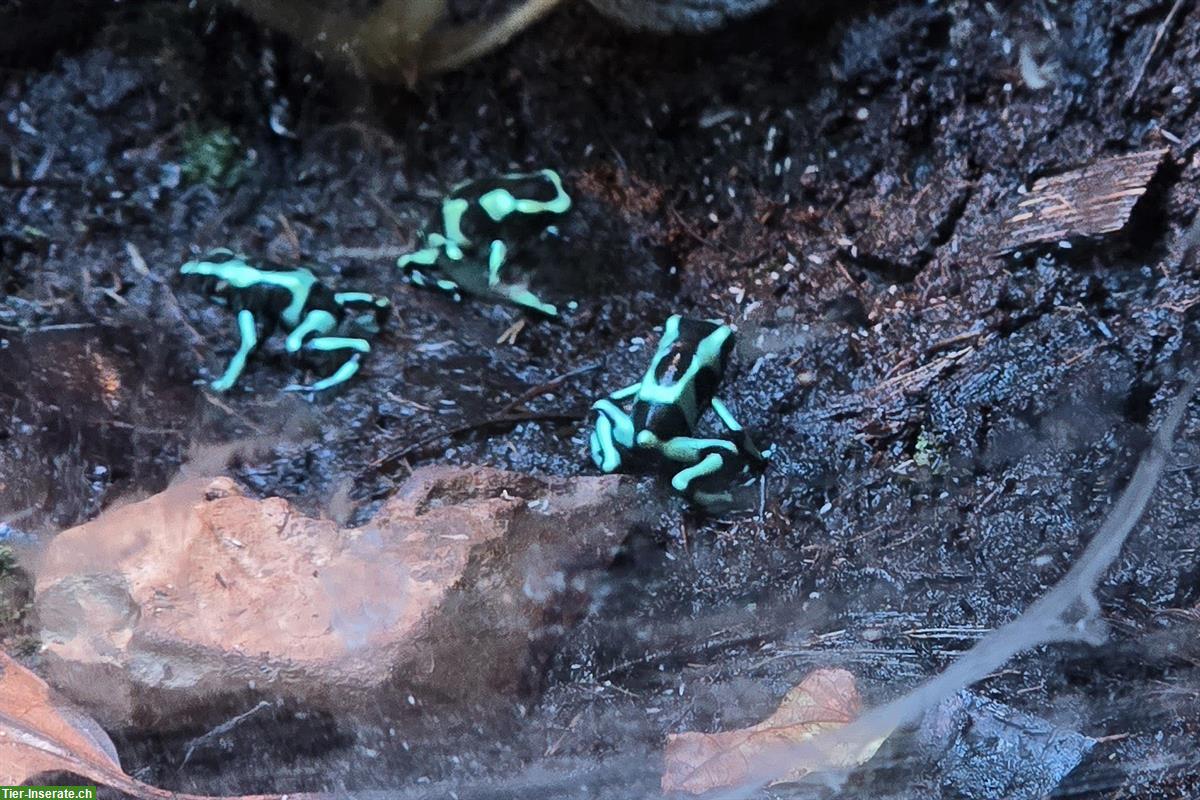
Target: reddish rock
x,y
185,605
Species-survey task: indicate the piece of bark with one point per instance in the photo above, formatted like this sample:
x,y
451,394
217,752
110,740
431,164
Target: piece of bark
x,y
1092,201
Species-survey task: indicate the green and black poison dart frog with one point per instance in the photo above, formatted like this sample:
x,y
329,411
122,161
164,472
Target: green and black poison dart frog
x,y
480,227
679,387
266,296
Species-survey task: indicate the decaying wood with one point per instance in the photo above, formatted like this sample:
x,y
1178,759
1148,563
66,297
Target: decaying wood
x,y
886,407
1091,201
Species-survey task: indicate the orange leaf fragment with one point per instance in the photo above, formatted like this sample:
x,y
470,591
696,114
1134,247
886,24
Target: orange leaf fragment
x,y
38,734
826,700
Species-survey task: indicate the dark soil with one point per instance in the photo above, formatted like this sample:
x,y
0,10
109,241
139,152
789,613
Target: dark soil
x,y
949,426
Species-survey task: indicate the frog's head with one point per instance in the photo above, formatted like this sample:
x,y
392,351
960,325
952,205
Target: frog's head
x,y
218,271
684,374
692,350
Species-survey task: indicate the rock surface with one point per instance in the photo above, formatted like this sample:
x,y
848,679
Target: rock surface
x,y
188,605
988,749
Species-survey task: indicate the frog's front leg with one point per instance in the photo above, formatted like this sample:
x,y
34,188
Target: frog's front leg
x,y
428,257
248,331
739,434
325,347
368,312
497,253
612,435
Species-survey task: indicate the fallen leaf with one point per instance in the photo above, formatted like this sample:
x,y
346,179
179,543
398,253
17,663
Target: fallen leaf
x,y
38,734
826,700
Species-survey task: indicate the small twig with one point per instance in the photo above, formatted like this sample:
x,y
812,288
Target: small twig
x,y
58,326
506,415
1158,37
692,232
543,388
386,461
233,413
222,729
135,258
951,341
17,516
386,210
511,332
902,364
116,298
129,426
454,48
289,233
140,266
557,743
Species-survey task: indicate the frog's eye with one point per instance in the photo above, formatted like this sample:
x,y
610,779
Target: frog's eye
x,y
221,255
697,330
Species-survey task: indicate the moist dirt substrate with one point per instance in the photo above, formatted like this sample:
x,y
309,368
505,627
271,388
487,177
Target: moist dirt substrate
x,y
948,426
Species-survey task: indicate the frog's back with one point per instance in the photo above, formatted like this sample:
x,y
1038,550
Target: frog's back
x,y
513,207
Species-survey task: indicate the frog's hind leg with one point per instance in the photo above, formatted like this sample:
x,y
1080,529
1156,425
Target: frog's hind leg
x,y
516,294
714,471
354,348
708,467
711,464
521,296
248,331
315,323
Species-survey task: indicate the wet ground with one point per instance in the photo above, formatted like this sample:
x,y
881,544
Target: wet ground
x,y
949,426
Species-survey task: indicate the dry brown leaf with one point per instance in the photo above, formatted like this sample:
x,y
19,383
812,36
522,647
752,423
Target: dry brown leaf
x,y
826,700
39,735
36,736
